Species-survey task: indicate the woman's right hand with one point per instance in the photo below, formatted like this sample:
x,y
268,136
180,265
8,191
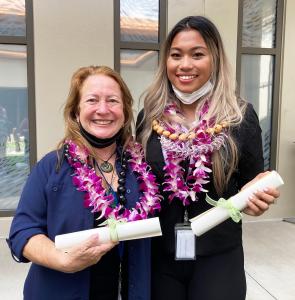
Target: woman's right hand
x,y
41,250
84,255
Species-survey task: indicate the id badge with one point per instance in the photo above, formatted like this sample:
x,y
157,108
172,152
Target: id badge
x,y
185,242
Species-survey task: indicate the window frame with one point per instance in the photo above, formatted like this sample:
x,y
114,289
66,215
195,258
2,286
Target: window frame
x,y
276,52
119,45
27,41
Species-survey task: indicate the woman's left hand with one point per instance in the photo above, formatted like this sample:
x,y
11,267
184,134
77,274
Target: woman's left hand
x,y
260,201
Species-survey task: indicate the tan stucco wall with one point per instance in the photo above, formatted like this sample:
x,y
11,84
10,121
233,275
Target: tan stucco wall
x,y
68,35
286,138
178,9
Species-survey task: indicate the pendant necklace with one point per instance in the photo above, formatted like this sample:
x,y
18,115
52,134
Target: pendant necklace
x,y
109,189
106,166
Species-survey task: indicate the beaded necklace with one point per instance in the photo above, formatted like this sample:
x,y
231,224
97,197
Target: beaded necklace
x,y
96,196
195,146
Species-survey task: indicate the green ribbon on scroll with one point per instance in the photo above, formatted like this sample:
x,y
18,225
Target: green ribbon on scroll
x,y
233,212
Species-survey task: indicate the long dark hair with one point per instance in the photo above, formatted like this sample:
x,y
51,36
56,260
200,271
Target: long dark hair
x,y
224,105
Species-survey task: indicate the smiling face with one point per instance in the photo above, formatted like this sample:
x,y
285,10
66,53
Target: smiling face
x,y
101,106
189,63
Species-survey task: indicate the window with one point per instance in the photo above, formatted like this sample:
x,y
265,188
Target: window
x,y
258,66
16,101
140,28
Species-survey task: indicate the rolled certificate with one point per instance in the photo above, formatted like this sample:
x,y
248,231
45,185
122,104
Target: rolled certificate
x,y
214,216
124,231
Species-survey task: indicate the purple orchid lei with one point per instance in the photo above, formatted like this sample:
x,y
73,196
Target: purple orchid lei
x,y
197,151
86,180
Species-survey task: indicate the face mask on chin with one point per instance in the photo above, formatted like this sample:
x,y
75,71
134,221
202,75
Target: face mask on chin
x,y
186,98
97,142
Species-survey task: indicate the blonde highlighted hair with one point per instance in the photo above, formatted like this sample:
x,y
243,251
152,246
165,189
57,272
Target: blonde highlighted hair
x,y
71,110
224,105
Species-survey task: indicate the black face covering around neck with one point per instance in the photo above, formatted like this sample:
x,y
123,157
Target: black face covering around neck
x,y
100,143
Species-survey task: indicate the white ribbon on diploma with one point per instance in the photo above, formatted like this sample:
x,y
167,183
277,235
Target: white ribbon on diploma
x,y
125,231
214,216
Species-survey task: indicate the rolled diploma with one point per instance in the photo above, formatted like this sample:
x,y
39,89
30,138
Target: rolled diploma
x,y
126,231
214,216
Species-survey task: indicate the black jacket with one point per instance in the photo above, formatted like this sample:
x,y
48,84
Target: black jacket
x,y
228,234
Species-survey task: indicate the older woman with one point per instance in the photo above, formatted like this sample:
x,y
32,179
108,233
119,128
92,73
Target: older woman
x,y
91,177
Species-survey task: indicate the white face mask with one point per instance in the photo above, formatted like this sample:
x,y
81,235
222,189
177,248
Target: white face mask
x,y
196,95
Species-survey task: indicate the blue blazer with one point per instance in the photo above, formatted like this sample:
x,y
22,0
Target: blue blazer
x,y
51,205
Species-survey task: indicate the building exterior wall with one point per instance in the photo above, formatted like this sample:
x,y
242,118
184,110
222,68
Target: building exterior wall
x,y
67,35
70,34
81,27
286,138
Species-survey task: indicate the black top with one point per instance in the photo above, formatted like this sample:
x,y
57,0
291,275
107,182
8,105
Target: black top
x,y
228,234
